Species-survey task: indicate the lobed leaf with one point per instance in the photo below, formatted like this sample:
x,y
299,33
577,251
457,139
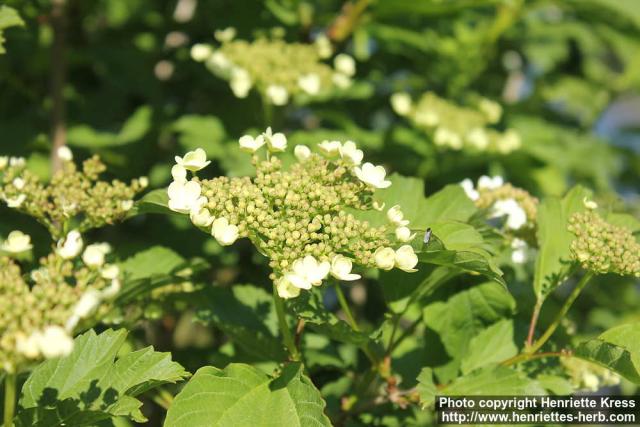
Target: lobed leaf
x,y
241,395
90,385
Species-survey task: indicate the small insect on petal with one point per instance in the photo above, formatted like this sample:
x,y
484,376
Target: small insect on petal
x,y
427,236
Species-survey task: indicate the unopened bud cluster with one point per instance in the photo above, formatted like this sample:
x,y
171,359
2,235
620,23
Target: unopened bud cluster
x,y
299,217
71,193
40,311
602,247
277,69
588,376
503,200
456,127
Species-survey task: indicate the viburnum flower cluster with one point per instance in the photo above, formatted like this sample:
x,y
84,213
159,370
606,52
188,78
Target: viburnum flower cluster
x,y
277,69
71,193
456,127
303,218
588,376
503,200
602,247
40,311
515,205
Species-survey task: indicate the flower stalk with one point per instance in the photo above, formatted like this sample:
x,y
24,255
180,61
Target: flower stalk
x,y
287,337
9,398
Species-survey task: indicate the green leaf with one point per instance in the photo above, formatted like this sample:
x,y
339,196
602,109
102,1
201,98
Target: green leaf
x,y
495,381
426,387
133,130
617,349
555,384
155,261
553,263
459,245
156,201
89,385
448,204
206,132
466,314
309,307
8,18
400,288
241,395
492,345
246,314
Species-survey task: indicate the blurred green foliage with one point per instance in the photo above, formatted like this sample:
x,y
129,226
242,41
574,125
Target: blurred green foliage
x,y
567,74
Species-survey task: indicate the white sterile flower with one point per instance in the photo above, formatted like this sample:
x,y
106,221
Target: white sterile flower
x,y
193,160
217,61
251,144
516,216
18,183
240,82
302,153
341,80
330,148
350,152
200,216
226,234
16,242
286,289
277,94
17,161
323,46
427,118
308,272
89,301
29,347
520,249
591,381
401,103
446,137
471,192
372,175
112,290
341,268
275,141
492,110
15,202
64,153
110,271
406,259
488,183
200,52
4,161
385,258
478,138
71,245
345,64
55,342
93,255
395,215
589,204
183,196
179,173
126,205
225,35
314,270
403,234
310,83
143,181
509,141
